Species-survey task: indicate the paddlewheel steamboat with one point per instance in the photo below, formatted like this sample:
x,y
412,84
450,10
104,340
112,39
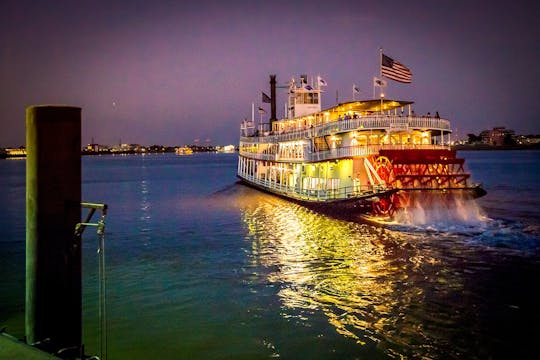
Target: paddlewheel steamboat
x,y
373,157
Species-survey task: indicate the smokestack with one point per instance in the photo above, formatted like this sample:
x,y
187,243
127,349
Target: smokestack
x,y
273,116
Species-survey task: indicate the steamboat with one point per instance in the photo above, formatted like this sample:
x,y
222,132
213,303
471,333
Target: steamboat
x,y
370,157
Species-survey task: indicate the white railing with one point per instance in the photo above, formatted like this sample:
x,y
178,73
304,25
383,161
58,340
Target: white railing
x,y
342,193
365,150
372,122
267,157
344,152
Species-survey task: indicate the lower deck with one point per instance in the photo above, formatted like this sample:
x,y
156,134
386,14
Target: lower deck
x,y
321,181
369,178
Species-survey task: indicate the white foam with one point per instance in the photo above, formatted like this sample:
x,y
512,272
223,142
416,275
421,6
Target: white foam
x,y
442,212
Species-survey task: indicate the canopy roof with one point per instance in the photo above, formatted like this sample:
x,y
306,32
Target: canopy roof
x,y
368,106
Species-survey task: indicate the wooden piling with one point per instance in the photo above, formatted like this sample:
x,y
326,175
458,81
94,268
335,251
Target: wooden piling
x,y
53,253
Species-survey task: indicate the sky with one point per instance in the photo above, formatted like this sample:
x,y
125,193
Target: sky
x,y
186,72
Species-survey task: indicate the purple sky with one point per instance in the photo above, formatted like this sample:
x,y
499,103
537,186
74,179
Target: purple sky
x,y
169,72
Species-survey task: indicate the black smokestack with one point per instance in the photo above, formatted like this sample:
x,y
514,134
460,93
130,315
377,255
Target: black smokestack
x,y
272,99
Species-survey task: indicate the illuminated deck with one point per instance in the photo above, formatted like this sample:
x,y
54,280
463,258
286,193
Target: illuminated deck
x,y
362,136
375,152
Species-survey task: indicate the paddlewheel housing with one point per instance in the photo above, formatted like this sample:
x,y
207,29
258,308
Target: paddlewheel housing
x,y
418,172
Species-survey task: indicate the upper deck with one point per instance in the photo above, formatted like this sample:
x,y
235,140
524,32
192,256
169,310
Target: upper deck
x,y
349,129
388,123
345,138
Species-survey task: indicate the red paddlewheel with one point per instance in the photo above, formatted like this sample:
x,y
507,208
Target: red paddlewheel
x,y
385,169
385,206
428,169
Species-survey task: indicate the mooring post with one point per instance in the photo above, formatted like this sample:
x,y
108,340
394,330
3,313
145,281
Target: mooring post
x,y
53,208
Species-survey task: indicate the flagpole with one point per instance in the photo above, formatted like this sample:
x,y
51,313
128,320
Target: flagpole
x,y
380,62
380,75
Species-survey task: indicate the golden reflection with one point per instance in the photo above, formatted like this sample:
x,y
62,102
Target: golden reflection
x,y
368,282
145,211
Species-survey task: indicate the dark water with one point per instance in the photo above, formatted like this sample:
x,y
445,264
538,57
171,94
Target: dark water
x,y
199,267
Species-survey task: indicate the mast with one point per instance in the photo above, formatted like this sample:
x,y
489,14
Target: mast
x,y
380,62
381,94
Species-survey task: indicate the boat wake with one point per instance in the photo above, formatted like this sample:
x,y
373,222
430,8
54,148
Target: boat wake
x,y
508,234
465,219
438,213
429,217
434,212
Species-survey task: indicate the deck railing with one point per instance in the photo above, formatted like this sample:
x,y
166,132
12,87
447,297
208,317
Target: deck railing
x,y
372,122
341,193
363,150
343,152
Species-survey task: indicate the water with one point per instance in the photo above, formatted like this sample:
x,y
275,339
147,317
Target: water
x,y
201,267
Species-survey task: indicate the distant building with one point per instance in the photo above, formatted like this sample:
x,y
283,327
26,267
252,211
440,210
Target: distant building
x,y
528,139
498,136
95,148
484,136
128,148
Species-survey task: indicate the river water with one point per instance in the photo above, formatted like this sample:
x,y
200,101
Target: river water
x,y
199,267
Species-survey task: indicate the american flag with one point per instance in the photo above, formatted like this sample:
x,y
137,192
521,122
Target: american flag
x,y
395,70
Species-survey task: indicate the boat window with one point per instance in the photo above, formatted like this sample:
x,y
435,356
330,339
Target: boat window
x,y
307,98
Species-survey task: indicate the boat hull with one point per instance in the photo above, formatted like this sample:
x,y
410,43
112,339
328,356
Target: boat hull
x,y
380,205
340,208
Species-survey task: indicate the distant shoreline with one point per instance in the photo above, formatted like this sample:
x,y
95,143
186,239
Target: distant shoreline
x,y
496,147
112,153
466,147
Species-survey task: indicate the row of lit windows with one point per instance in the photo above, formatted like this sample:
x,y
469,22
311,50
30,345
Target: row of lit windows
x,y
307,98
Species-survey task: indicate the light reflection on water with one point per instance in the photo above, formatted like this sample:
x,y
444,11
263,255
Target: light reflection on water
x,y
428,290
145,212
370,283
